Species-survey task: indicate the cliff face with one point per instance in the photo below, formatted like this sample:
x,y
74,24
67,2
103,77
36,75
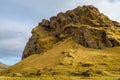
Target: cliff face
x,y
85,25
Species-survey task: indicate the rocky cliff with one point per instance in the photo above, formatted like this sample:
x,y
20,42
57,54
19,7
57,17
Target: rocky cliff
x,y
85,25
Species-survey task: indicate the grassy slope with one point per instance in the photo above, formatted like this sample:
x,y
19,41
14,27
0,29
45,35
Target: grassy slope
x,y
60,78
48,59
107,60
3,66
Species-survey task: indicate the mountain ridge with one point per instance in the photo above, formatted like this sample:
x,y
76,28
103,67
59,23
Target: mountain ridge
x,y
3,66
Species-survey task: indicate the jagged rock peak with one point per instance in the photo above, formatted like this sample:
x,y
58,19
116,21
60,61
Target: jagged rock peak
x,y
85,25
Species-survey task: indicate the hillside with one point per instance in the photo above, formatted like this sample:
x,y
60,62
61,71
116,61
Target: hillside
x,y
79,42
3,66
69,58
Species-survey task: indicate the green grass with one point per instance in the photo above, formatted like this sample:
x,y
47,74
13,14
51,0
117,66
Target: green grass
x,y
70,60
61,78
39,78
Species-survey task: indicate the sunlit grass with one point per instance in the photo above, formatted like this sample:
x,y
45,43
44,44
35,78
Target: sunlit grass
x,y
61,78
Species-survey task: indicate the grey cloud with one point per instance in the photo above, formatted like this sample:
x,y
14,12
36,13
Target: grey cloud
x,y
11,43
7,34
33,9
4,53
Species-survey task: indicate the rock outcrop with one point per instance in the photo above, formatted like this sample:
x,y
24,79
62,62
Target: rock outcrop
x,y
85,25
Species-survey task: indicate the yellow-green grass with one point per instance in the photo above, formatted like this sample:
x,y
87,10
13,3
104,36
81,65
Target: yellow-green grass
x,y
68,59
60,78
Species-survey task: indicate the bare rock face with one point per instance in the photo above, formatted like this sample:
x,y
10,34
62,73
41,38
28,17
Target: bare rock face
x,y
39,42
88,36
86,25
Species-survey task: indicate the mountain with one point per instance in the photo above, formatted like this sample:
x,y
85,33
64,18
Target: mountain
x,y
3,66
78,42
86,25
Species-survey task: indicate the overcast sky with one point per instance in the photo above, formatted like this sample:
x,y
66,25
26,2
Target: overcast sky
x,y
18,17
